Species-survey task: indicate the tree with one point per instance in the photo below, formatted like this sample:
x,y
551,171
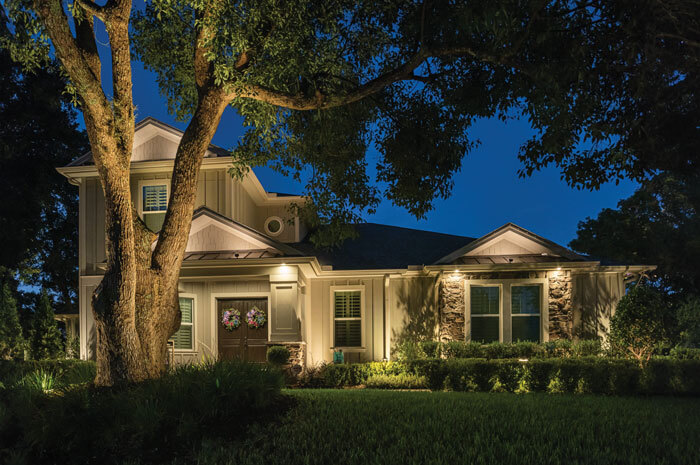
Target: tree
x,y
45,338
642,321
688,315
319,83
658,225
38,131
11,340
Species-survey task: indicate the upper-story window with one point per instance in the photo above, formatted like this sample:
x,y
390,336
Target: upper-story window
x,y
153,202
274,226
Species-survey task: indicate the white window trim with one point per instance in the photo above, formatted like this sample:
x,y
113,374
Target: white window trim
x,y
187,295
505,330
333,290
152,182
267,224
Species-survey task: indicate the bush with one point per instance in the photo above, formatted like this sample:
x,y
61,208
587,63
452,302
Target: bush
x,y
689,322
685,353
149,421
66,372
459,349
431,349
401,381
278,355
642,321
407,350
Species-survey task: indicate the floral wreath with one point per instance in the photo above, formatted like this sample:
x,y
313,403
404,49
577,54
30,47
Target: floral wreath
x,y
256,318
231,319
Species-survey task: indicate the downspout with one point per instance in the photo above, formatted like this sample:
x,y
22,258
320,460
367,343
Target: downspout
x,y
385,309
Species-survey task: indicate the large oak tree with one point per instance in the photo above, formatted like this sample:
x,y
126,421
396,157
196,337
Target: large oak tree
x,y
320,82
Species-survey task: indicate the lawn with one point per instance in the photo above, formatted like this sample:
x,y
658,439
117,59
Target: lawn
x,y
387,427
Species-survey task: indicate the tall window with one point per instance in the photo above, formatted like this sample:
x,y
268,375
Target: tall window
x,y
184,337
347,314
485,309
154,203
526,302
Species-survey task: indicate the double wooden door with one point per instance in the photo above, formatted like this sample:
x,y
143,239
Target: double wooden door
x,y
242,343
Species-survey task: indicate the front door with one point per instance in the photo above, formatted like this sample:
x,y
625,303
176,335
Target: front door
x,y
243,342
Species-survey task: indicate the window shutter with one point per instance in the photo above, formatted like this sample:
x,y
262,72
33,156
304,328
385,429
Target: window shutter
x,y
155,198
186,309
347,312
184,337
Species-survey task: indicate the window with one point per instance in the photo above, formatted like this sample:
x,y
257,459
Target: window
x,y
274,226
507,310
184,337
153,204
525,312
485,313
347,318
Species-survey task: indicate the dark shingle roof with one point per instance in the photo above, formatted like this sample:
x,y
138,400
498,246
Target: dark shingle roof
x,y
380,246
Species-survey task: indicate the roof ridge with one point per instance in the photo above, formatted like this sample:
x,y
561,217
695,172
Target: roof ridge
x,y
413,229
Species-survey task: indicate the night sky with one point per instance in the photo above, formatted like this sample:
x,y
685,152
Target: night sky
x,y
487,191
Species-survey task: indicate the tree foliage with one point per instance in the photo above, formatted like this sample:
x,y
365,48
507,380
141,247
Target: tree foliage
x,y
658,225
642,321
11,340
45,339
38,132
610,88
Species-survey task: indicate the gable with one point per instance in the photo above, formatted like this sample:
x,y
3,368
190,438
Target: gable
x,y
510,241
212,232
214,238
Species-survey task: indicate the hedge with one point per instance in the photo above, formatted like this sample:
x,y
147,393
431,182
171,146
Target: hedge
x,y
593,375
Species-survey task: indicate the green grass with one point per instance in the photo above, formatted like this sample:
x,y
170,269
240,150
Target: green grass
x,y
383,427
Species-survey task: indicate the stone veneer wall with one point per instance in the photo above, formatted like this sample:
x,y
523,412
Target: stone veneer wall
x,y
452,310
452,302
561,315
297,355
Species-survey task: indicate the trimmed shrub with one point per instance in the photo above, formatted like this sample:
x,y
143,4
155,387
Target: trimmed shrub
x,y
431,349
459,349
401,381
278,355
537,373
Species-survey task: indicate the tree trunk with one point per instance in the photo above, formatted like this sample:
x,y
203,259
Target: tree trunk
x,y
136,305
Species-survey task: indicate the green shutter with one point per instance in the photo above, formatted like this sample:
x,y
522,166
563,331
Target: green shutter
x,y
348,333
186,309
155,198
348,304
347,311
184,337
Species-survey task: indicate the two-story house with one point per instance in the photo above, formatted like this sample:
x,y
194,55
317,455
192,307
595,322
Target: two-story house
x,y
246,252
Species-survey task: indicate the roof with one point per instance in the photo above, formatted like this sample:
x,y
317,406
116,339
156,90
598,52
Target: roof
x,y
86,159
380,246
230,255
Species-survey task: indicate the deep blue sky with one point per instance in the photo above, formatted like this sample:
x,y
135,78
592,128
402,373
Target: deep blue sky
x,y
487,191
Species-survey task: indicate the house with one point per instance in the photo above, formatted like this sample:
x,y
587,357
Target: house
x,y
246,252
